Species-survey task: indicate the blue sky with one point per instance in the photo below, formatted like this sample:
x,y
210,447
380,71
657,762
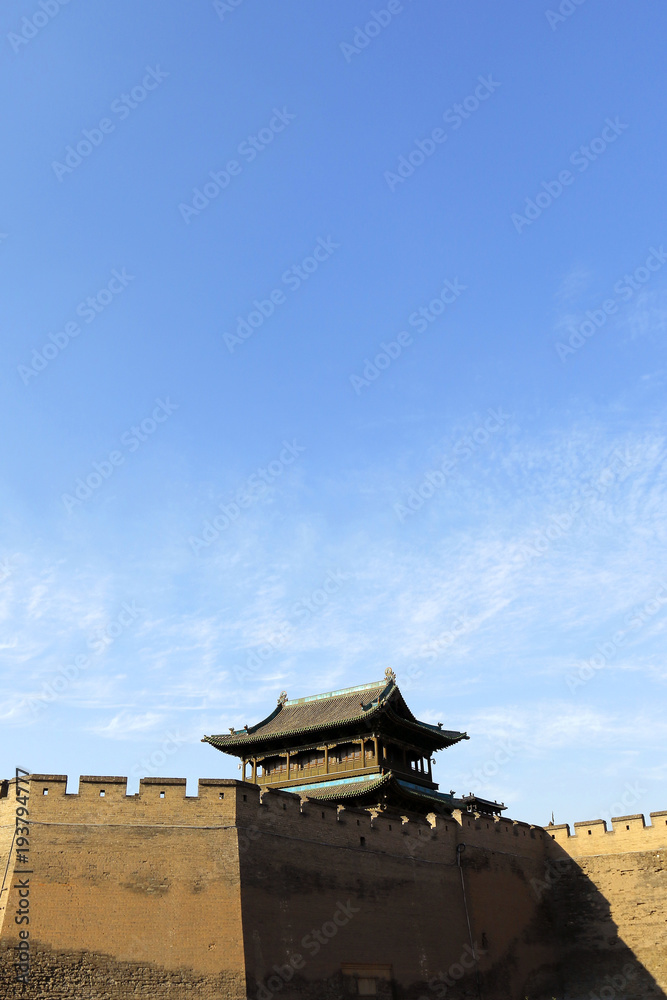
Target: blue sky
x,y
334,341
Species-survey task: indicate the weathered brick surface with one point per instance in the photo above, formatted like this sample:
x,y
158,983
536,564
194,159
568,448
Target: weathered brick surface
x,y
404,885
235,893
65,976
608,892
145,885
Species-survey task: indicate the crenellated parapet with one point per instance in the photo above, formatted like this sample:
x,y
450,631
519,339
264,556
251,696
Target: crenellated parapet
x,y
162,893
627,834
103,799
250,811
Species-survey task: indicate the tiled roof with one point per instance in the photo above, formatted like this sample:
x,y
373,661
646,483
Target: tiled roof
x,y
450,735
317,711
425,793
355,788
341,792
330,710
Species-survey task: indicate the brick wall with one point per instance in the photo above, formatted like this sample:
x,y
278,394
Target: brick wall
x,y
236,893
128,889
400,884
607,889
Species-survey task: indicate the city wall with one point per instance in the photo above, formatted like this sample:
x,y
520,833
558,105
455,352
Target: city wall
x,y
607,890
141,890
235,893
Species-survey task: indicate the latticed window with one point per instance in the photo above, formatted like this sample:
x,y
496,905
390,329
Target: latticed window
x,y
351,751
313,759
275,766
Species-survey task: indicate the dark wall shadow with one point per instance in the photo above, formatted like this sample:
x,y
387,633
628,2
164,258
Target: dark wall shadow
x,y
595,962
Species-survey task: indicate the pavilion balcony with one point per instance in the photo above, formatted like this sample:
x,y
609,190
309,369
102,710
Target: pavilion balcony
x,y
347,768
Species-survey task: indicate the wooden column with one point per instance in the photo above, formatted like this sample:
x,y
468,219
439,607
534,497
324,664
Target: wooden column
x,y
377,752
326,760
288,766
430,770
254,771
244,768
363,753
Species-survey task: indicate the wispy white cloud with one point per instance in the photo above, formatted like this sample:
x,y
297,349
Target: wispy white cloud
x,y
125,725
646,316
527,621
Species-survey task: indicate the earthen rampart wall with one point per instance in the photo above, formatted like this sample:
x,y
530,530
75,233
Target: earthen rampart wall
x,y
609,887
241,891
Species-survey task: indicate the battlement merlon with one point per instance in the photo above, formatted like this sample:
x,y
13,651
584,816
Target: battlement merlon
x,y
627,833
88,783
102,799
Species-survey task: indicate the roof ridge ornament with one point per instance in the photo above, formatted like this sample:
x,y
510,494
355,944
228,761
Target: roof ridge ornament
x,y
390,676
282,698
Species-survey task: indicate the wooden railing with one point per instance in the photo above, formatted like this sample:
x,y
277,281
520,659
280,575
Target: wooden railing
x,y
318,770
347,768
